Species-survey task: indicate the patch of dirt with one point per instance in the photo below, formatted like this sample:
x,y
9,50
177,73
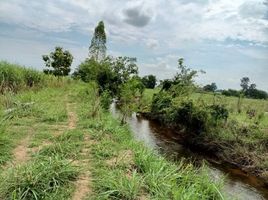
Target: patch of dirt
x,y
72,117
82,187
20,153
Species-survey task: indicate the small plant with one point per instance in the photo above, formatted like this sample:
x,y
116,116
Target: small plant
x,y
218,113
36,180
251,113
106,100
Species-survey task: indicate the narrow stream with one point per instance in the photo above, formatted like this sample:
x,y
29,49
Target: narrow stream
x,y
237,184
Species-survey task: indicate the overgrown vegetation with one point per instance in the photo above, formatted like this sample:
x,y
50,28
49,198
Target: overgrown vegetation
x,y
221,125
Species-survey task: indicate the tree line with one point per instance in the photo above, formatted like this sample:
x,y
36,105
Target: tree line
x,y
111,72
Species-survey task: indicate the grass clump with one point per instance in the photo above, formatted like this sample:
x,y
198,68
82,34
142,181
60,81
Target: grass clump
x,y
36,180
5,146
116,184
66,146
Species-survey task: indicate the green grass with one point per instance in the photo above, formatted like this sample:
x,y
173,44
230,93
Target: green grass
x,y
121,168
37,179
125,169
241,139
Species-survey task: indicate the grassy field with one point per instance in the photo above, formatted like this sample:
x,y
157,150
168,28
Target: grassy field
x,y
259,105
52,148
242,139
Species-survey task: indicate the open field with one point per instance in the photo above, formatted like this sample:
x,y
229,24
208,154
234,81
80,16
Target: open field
x,y
51,148
261,106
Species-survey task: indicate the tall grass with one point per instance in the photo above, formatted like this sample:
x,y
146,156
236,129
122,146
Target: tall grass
x,y
37,179
14,78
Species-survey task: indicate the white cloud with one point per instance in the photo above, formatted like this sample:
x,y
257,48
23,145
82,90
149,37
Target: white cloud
x,y
164,29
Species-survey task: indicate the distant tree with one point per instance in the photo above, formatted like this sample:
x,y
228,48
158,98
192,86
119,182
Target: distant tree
x,y
210,87
97,49
166,84
231,92
183,82
185,75
87,70
149,81
124,68
58,62
252,86
244,83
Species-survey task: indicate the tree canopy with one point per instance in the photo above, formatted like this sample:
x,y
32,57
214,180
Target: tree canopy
x,y
210,87
58,62
149,81
97,48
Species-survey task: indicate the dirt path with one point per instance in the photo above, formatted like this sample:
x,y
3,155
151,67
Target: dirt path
x,y
72,117
82,184
21,152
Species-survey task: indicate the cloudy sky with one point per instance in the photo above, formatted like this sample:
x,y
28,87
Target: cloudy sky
x,y
226,38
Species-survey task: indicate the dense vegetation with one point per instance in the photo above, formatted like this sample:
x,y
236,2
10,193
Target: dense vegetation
x,y
59,150
232,129
14,78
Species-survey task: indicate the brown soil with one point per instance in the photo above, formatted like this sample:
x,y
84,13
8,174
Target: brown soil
x,y
82,184
82,187
72,117
20,153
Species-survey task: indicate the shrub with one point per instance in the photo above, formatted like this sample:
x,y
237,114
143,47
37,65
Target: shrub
x,y
106,100
193,118
161,102
218,113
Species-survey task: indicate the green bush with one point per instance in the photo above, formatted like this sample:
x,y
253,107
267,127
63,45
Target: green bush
x,y
218,113
11,77
14,77
194,118
161,102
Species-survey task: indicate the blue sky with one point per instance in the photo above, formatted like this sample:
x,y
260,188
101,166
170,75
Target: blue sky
x,y
228,39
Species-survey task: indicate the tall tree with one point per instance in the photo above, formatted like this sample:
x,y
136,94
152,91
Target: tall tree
x,y
97,49
149,81
58,62
244,83
210,87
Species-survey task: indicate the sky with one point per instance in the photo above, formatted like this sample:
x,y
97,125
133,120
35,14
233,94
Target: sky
x,y
228,39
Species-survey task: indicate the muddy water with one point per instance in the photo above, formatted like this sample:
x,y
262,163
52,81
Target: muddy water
x,y
237,185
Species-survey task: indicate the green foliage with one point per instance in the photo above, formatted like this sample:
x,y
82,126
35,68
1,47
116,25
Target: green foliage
x,y
130,93
219,112
60,61
106,100
256,94
109,73
97,49
37,179
5,145
244,83
161,102
183,82
87,70
231,92
193,117
14,77
210,87
124,68
149,81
